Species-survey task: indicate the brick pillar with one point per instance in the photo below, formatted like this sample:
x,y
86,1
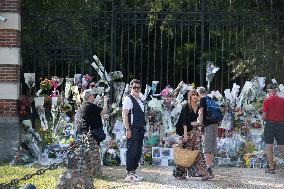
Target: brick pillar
x,y
10,63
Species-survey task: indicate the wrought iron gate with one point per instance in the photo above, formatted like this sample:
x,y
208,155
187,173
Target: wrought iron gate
x,y
164,46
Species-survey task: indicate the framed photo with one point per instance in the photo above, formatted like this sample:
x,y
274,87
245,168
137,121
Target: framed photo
x,y
164,162
157,161
171,162
156,152
166,152
78,80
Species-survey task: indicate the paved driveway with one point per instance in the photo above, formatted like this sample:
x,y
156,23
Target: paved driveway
x,y
161,178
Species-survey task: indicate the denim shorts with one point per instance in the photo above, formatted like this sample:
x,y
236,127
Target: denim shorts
x,y
274,130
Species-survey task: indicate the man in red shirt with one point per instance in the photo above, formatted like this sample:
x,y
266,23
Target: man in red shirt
x,y
273,114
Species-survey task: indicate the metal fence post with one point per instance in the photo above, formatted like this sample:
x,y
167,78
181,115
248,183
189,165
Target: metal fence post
x,y
201,69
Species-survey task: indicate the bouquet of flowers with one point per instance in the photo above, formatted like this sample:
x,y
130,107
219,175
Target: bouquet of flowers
x,y
111,155
147,158
116,110
45,84
68,85
211,70
256,125
56,82
39,102
24,108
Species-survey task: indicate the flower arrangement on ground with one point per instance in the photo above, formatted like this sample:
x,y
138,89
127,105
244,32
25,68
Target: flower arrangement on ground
x,y
148,158
111,155
45,84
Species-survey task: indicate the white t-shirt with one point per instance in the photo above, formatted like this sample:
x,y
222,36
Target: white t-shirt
x,y
127,104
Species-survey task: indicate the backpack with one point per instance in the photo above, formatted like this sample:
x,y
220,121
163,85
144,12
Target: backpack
x,y
214,114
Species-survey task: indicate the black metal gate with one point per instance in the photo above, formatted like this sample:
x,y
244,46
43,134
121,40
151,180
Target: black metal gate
x,y
162,45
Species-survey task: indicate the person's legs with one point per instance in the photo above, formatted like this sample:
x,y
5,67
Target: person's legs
x,y
131,157
131,153
140,137
211,156
202,167
180,172
208,158
279,133
208,142
269,140
269,151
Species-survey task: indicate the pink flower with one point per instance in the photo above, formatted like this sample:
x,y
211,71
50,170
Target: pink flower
x,y
88,77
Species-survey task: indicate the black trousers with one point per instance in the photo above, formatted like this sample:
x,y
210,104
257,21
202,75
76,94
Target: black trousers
x,y
134,148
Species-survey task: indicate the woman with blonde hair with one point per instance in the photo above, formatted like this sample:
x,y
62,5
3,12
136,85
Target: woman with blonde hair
x,y
192,139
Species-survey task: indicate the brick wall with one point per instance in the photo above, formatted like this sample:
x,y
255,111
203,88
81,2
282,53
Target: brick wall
x,y
9,73
8,108
10,38
12,6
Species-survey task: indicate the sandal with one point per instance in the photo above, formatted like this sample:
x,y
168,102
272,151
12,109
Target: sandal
x,y
271,171
207,177
181,178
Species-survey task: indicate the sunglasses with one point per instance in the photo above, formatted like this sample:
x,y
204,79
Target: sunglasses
x,y
136,87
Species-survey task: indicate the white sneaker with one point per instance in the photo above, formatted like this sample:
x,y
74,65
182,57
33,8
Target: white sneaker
x,y
131,178
138,176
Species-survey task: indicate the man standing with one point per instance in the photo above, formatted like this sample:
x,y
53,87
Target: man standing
x,y
210,131
273,114
134,122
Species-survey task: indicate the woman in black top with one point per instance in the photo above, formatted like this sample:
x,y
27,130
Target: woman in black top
x,y
192,139
92,116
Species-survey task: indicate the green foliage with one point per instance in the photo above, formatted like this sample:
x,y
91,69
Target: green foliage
x,y
52,154
148,156
45,135
111,159
237,38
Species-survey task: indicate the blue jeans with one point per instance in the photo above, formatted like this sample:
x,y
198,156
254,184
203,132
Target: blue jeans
x,y
134,148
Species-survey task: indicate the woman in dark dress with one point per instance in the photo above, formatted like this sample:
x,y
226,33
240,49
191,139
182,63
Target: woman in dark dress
x,y
192,139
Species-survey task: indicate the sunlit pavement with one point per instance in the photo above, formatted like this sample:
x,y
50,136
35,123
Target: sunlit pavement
x,y
225,177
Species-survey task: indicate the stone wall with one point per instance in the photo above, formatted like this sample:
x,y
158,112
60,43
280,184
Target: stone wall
x,y
9,138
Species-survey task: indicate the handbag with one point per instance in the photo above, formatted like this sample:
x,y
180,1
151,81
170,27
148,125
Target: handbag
x,y
99,134
184,157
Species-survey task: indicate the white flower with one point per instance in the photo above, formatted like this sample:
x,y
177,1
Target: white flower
x,y
111,151
274,81
113,106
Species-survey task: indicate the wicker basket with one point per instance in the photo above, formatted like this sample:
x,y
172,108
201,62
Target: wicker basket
x,y
184,157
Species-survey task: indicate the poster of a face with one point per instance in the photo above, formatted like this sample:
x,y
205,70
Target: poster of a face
x,y
78,80
69,129
156,152
118,90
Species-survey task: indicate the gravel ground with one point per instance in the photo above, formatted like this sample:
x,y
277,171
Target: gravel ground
x,y
161,178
